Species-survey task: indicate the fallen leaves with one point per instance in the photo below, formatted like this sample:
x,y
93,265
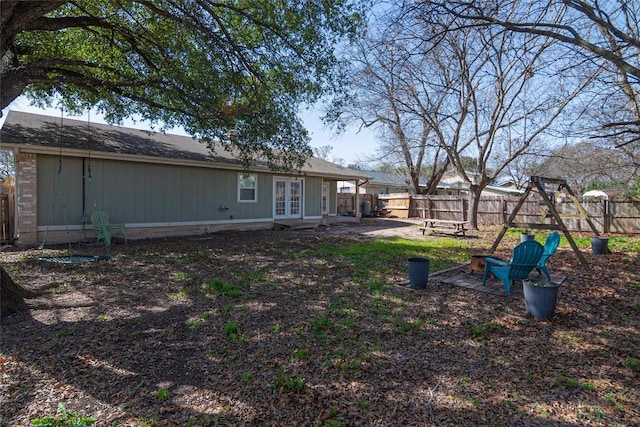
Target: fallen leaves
x,y
314,345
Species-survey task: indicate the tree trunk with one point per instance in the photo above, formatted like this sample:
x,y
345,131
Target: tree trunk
x,y
474,200
12,295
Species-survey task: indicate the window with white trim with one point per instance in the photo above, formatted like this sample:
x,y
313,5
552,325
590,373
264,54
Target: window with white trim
x,y
247,187
325,196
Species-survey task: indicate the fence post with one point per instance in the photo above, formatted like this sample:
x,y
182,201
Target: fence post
x,y
504,211
465,208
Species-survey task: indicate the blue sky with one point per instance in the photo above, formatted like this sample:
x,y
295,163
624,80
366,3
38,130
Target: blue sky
x,y
350,146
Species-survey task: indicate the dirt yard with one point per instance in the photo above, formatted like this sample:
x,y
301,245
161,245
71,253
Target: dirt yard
x,y
263,328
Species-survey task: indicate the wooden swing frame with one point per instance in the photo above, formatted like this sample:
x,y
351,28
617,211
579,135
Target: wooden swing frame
x,y
539,183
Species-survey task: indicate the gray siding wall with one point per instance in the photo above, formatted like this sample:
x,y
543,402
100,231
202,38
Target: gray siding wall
x,y
313,197
59,194
145,193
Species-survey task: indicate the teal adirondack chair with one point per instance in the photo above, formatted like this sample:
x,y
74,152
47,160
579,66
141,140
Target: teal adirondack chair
x,y
550,246
524,259
104,229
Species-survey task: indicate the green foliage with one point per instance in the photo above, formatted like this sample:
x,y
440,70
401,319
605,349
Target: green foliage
x,y
483,330
246,377
237,66
231,329
301,354
195,324
572,383
63,419
600,185
293,384
162,394
218,286
321,325
178,295
402,326
633,364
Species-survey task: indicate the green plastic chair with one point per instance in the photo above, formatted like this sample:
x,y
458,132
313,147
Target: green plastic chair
x,y
524,259
550,246
104,229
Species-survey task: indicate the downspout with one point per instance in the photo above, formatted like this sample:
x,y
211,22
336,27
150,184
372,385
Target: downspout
x,y
358,213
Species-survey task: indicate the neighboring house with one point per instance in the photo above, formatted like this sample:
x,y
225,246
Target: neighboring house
x,y
456,183
380,183
156,184
603,194
390,183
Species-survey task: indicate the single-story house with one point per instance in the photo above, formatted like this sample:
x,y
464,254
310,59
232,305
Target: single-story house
x,y
378,183
390,183
459,185
155,184
603,194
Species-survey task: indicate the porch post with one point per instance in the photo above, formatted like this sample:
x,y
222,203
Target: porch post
x,y
357,198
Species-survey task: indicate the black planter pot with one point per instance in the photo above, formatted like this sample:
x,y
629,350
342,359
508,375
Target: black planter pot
x,y
599,245
418,272
540,298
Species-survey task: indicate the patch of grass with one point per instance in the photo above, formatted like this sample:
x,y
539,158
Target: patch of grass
x,y
162,394
587,386
321,325
379,257
220,287
178,295
624,244
633,364
275,328
151,422
59,289
63,419
402,326
301,354
574,384
246,377
483,330
65,332
231,329
362,404
195,324
178,276
293,384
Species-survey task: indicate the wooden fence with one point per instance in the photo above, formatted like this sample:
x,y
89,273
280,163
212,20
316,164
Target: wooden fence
x,y
608,216
7,209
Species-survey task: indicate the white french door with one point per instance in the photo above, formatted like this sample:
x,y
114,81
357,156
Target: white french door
x,y
287,195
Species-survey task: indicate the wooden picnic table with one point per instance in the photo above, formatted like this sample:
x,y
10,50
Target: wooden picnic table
x,y
446,226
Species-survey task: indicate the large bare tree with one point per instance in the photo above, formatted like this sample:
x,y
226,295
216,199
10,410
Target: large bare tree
x,y
479,92
506,93
603,32
387,93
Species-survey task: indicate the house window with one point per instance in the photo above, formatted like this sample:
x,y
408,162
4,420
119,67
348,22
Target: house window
x,y
325,195
247,187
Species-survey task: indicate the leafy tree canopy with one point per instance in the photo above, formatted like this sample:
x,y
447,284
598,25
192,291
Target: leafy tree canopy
x,y
234,70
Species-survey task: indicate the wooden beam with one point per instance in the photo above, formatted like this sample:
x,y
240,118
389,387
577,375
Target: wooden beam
x,y
539,183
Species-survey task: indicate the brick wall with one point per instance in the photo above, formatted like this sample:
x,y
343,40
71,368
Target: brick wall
x,y
27,198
